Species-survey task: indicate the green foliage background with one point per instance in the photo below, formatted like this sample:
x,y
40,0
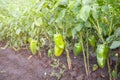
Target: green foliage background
x,y
40,19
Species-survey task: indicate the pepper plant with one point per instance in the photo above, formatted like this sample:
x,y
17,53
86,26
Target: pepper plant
x,y
68,24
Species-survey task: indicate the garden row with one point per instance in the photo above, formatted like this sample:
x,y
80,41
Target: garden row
x,y
69,24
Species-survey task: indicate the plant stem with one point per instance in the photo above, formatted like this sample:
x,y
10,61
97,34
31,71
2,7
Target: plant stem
x,y
100,32
110,28
109,69
85,63
68,59
116,64
87,52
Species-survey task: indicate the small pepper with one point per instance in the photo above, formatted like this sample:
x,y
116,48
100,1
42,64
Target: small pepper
x,y
92,41
77,49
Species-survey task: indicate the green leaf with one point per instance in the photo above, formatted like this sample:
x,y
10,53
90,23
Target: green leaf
x,y
115,45
110,39
114,74
0,26
87,24
50,52
86,2
104,29
29,40
40,5
64,2
18,31
104,8
56,5
94,9
71,4
76,29
69,32
84,12
38,21
117,32
42,40
60,15
74,32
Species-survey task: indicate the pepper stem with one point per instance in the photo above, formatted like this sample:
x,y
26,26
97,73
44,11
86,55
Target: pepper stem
x,y
84,56
87,52
109,69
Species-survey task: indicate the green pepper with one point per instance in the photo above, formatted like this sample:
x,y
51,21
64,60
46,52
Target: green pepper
x,y
77,49
58,39
33,46
59,44
92,41
57,51
102,54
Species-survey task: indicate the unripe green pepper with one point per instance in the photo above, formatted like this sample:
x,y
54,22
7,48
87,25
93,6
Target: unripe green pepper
x,y
92,41
77,49
57,51
33,46
102,54
58,39
59,44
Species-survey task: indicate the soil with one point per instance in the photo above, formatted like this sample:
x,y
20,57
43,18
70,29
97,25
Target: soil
x,y
21,65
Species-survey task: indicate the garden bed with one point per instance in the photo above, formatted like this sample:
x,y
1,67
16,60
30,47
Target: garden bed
x,y
20,65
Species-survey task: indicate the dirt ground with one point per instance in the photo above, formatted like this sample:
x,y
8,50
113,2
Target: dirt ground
x,y
20,65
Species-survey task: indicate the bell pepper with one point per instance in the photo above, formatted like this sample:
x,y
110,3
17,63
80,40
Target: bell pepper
x,y
59,44
58,39
33,46
102,54
77,49
57,51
